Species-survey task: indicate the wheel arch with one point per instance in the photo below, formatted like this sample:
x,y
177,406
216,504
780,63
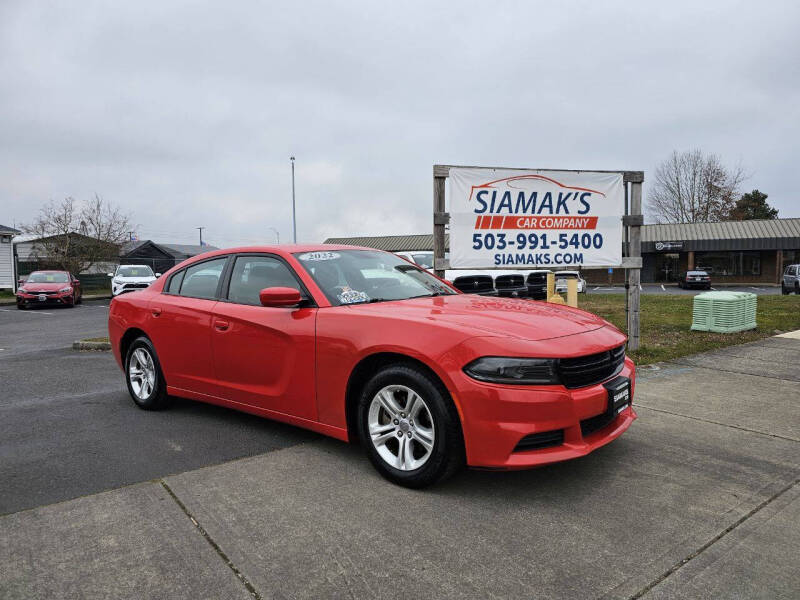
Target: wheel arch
x,y
366,367
127,339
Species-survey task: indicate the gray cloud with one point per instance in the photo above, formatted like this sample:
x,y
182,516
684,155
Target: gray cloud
x,y
185,113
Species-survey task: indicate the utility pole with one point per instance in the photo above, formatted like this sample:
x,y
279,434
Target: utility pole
x,y
200,229
294,217
277,234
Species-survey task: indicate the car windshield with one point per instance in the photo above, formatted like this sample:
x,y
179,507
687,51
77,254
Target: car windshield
x,y
424,259
135,272
362,276
44,277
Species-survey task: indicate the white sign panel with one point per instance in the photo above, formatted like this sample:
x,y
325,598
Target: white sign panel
x,y
538,219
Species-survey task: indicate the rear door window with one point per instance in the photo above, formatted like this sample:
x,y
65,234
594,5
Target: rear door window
x,y
175,282
251,274
201,280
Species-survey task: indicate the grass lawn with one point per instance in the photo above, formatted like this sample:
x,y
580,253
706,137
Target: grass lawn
x,y
665,322
6,294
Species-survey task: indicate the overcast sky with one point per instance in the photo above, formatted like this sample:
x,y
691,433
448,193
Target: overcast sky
x,y
185,113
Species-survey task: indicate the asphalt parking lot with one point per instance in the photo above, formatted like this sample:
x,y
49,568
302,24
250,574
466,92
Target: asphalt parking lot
x,y
699,499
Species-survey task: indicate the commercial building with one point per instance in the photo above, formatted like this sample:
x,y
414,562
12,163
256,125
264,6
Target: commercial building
x,y
731,251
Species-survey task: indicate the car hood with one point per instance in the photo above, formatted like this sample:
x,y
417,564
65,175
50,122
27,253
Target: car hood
x,y
482,315
44,287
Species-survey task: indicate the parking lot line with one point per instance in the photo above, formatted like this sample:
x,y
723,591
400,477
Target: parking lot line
x,y
25,312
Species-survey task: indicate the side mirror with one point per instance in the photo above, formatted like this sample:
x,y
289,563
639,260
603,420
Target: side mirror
x,y
110,274
280,297
158,274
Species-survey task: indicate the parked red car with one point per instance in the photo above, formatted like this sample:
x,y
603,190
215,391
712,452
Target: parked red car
x,y
359,344
43,288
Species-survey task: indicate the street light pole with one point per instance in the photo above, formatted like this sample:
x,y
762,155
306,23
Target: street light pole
x,y
277,234
200,229
294,217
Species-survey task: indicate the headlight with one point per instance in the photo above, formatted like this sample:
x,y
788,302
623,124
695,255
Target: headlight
x,y
520,371
22,290
64,290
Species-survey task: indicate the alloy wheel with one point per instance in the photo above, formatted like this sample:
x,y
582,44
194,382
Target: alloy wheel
x,y
401,427
142,373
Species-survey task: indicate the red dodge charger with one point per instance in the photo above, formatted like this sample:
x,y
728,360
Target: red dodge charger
x,y
362,345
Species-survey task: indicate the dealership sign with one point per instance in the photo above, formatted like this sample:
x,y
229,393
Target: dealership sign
x,y
507,218
667,246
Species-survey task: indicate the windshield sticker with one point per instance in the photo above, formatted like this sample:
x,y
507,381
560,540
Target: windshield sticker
x,y
349,296
315,256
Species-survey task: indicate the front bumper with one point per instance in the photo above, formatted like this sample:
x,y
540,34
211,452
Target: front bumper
x,y
495,418
512,292
125,289
49,300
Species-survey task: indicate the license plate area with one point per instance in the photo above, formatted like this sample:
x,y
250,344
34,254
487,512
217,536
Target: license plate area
x,y
619,394
42,297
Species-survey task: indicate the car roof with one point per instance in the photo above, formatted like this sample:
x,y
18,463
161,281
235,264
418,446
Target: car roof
x,y
285,249
133,266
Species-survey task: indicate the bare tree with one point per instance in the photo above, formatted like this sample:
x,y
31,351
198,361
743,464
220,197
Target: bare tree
x,y
76,236
693,187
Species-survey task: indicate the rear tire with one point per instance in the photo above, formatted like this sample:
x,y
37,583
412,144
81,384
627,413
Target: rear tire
x,y
797,287
409,427
144,377
784,291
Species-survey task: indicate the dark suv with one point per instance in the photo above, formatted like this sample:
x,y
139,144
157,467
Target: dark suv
x,y
791,280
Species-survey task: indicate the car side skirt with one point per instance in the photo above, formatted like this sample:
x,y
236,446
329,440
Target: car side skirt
x,y
335,432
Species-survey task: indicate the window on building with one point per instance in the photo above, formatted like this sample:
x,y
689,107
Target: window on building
x,y
729,264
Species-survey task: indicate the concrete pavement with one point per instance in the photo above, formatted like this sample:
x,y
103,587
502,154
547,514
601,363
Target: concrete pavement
x,y
699,499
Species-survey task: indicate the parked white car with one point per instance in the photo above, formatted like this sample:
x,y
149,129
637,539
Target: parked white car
x,y
129,278
563,276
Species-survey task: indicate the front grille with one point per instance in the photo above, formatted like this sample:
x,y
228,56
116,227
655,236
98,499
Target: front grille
x,y
509,282
474,284
537,278
46,293
596,423
591,369
136,285
537,441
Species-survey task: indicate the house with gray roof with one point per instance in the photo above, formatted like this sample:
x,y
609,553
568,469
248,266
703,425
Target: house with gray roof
x,y
160,257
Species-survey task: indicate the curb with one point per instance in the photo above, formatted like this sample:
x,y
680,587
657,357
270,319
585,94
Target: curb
x,y
97,346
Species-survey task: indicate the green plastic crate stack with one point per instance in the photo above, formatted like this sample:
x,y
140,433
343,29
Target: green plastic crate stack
x,y
724,312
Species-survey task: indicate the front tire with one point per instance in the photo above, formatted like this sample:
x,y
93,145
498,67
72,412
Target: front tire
x,y
409,427
144,377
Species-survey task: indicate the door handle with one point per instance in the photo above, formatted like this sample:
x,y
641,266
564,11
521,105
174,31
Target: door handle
x,y
156,311
221,325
